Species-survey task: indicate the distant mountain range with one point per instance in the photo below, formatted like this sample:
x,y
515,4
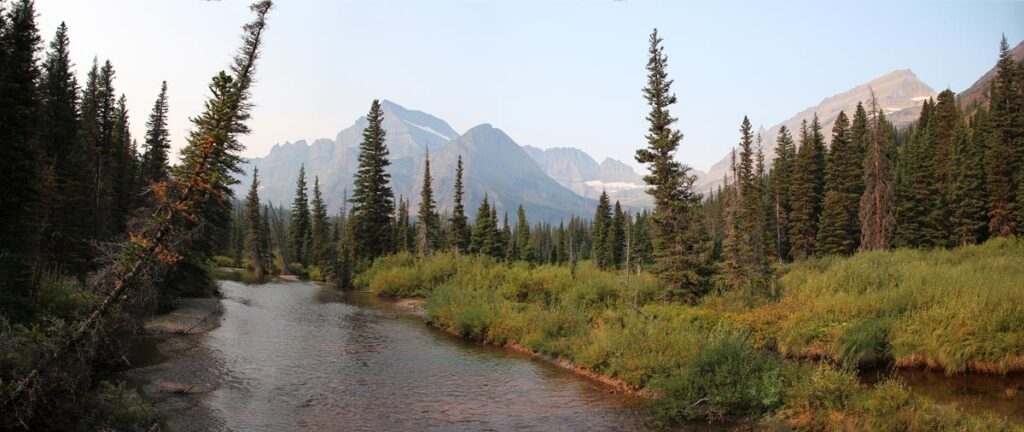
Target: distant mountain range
x,y
494,165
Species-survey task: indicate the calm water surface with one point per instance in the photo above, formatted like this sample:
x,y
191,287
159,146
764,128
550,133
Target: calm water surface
x,y
287,361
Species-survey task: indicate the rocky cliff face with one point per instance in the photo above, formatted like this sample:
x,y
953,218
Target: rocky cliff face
x,y
899,93
580,173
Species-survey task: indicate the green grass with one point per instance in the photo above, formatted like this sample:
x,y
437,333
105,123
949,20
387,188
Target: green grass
x,y
725,358
959,310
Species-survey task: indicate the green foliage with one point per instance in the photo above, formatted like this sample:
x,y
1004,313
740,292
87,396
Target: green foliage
x,y
808,184
428,226
726,377
955,309
680,242
300,236
839,233
119,408
458,225
372,199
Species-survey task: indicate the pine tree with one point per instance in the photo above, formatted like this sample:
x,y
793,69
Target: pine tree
x,y
780,180
681,246
500,234
320,228
124,165
19,170
299,226
839,233
947,121
876,214
968,196
155,165
807,190
202,181
746,261
66,207
642,247
459,231
372,199
428,230
482,237
918,198
403,230
255,237
599,231
615,238
523,242
1005,144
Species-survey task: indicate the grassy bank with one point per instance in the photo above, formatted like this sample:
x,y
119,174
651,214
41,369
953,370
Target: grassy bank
x,y
959,310
719,359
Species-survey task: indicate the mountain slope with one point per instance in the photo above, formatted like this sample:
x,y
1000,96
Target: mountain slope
x,y
494,163
576,170
900,93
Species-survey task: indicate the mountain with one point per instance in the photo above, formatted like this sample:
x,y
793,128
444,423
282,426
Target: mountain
x,y
494,164
979,91
900,93
576,170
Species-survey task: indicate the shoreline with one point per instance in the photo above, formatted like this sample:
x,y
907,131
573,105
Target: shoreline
x,y
415,307
167,373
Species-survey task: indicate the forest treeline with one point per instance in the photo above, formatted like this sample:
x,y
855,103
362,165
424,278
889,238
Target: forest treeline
x,y
952,178
97,228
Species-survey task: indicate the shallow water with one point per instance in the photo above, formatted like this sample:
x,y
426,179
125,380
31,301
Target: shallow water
x,y
1002,396
285,361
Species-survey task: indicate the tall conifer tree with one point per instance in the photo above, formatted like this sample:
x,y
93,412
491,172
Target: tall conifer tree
x,y
299,227
599,231
459,227
807,190
428,229
320,228
255,251
839,233
155,162
781,180
681,246
19,171
1005,145
372,200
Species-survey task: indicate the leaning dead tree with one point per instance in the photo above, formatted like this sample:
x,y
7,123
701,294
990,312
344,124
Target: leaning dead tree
x,y
196,195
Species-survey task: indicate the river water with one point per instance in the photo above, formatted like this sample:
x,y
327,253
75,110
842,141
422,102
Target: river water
x,y
282,360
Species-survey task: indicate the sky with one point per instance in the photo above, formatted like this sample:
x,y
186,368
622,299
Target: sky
x,y
554,73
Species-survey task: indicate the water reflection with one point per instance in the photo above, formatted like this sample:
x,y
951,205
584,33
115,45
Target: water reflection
x,y
290,362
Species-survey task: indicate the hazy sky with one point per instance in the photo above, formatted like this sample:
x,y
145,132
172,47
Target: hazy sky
x,y
549,73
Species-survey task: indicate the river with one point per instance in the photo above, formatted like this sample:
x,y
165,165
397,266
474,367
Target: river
x,y
283,360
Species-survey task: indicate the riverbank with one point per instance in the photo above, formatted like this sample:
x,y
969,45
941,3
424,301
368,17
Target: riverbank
x,y
711,361
170,364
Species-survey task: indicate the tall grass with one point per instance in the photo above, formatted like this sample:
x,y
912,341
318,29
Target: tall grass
x,y
959,310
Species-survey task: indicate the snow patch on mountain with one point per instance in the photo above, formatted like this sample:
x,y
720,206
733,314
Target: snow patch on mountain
x,y
428,129
613,186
